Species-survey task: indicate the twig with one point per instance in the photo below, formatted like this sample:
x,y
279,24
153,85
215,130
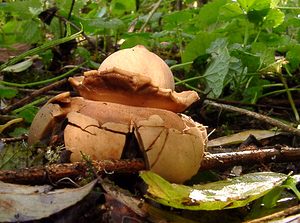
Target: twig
x,y
13,139
54,172
34,94
53,79
255,115
150,15
39,49
240,103
77,28
223,160
278,215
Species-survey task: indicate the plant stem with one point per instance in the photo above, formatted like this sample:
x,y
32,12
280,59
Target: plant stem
x,y
38,101
39,49
279,91
43,81
287,7
188,79
181,65
187,85
290,97
263,118
150,15
246,34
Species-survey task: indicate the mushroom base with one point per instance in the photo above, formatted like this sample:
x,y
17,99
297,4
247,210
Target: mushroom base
x,y
172,144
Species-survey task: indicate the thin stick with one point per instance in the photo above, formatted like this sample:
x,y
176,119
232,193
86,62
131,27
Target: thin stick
x,y
33,95
150,15
257,116
278,215
223,160
54,172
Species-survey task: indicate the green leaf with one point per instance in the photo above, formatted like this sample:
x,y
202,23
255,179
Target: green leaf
x,y
198,46
254,89
24,9
251,5
7,92
120,7
231,193
31,32
291,183
14,156
218,67
19,67
19,131
174,20
271,198
209,13
231,10
28,113
293,57
99,25
274,18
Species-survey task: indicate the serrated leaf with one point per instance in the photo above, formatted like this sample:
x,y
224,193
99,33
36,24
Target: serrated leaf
x,y
274,18
218,67
250,5
231,193
231,10
120,7
209,13
198,46
175,19
293,57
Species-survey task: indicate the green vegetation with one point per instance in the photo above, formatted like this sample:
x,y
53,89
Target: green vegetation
x,y
240,50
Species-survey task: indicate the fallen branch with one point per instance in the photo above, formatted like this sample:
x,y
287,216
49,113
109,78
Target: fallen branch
x,y
33,95
252,156
263,118
54,172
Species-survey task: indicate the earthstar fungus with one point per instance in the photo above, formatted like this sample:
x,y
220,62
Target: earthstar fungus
x,y
132,92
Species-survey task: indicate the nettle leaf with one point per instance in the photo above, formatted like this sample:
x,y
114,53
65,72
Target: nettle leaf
x,y
174,19
7,92
198,46
98,25
32,32
231,10
136,40
25,9
293,57
265,53
231,193
274,18
209,13
257,16
254,89
257,5
120,7
218,67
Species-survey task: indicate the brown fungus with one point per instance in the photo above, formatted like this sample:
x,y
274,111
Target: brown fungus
x,y
131,93
134,77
